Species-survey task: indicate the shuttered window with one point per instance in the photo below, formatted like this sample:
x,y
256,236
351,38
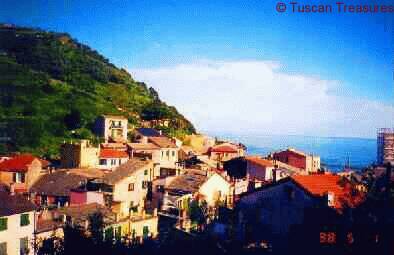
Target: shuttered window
x,y
3,224
25,219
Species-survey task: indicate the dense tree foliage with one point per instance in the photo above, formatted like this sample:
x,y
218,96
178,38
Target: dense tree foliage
x,y
52,88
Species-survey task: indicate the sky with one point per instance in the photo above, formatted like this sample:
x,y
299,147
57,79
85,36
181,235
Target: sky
x,y
240,66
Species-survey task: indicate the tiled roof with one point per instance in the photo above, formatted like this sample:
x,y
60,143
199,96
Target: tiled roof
x,y
125,170
81,213
260,161
20,163
14,204
113,145
61,182
143,146
111,153
149,132
189,182
225,148
162,142
321,184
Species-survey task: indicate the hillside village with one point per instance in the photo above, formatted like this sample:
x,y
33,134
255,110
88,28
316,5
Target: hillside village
x,y
141,184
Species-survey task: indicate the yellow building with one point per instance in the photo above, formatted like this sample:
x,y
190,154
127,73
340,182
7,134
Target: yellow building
x,y
79,155
112,128
128,185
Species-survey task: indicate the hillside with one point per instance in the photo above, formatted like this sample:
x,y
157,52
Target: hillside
x,y
52,88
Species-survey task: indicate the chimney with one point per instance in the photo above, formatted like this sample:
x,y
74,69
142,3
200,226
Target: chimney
x,y
274,174
330,199
12,189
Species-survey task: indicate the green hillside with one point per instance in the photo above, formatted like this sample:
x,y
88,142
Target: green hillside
x,y
53,88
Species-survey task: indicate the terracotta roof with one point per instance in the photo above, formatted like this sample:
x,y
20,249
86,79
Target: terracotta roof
x,y
14,204
143,146
20,163
162,142
125,170
225,148
111,153
259,161
321,184
113,145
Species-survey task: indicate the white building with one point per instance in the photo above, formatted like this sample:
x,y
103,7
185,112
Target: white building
x,y
16,224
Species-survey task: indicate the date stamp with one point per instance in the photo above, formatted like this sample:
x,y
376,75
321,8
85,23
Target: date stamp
x,y
338,7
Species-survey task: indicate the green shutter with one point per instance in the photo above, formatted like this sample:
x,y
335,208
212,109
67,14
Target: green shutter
x,y
145,232
25,219
3,224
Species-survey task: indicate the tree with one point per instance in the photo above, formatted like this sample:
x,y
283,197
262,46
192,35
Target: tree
x,y
96,227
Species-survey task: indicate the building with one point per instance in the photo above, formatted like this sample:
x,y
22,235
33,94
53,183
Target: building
x,y
16,224
145,133
54,189
111,158
226,151
180,190
385,143
298,159
217,190
127,186
22,171
112,128
79,155
199,143
259,168
275,209
168,158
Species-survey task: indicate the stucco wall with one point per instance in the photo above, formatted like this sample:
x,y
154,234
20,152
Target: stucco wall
x,y
14,232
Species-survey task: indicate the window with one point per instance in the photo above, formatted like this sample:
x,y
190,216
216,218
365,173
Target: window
x,y
3,224
173,153
103,162
131,186
19,177
145,231
145,184
167,153
24,245
25,219
3,248
120,161
113,162
162,154
146,172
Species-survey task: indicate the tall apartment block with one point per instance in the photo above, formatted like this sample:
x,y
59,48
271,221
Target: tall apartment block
x,y
385,142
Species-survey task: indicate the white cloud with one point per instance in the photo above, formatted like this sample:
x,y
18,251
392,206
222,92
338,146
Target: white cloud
x,y
257,97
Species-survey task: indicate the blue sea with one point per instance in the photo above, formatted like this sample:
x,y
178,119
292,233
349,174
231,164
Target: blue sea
x,y
333,151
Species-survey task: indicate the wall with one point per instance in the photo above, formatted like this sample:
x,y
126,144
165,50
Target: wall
x,y
108,129
14,232
258,171
74,155
33,173
212,187
272,209
121,189
291,158
109,165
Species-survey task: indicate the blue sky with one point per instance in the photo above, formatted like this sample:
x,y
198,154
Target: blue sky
x,y
154,38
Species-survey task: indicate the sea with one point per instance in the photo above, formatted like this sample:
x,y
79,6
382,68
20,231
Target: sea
x,y
335,152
